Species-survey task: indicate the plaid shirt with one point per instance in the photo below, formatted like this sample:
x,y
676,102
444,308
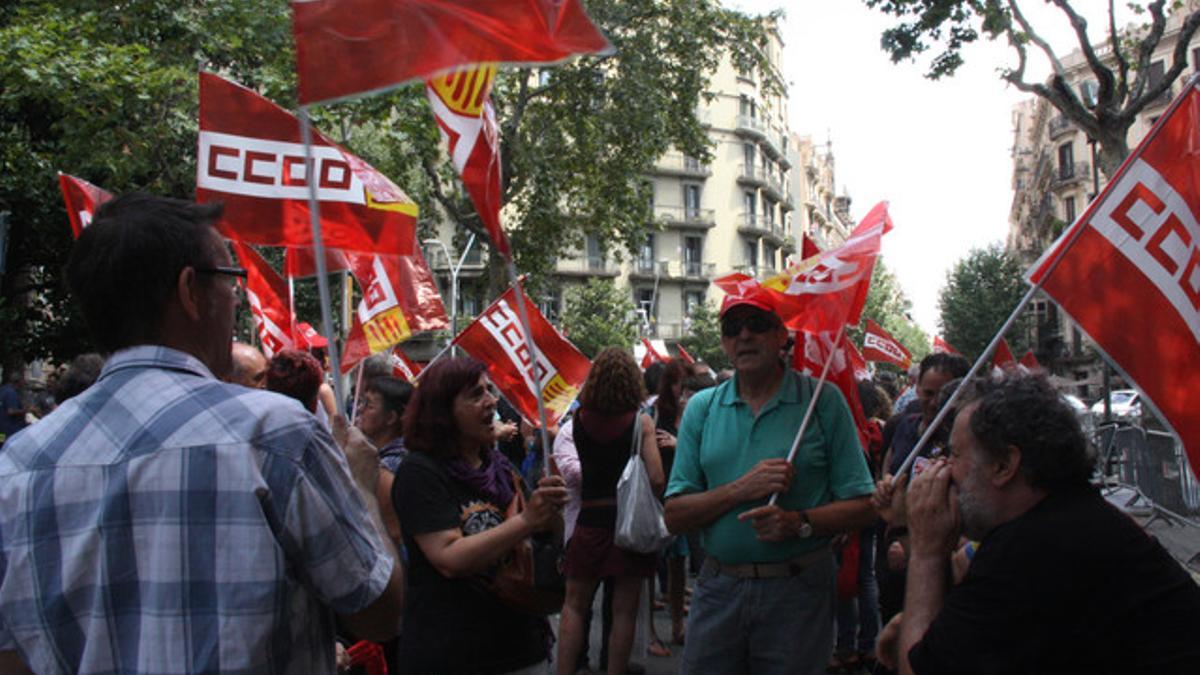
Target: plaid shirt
x,y
166,522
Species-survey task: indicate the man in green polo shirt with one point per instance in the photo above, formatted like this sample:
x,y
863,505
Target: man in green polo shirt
x,y
764,601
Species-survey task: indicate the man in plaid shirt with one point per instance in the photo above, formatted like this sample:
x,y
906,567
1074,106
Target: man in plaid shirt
x,y
164,521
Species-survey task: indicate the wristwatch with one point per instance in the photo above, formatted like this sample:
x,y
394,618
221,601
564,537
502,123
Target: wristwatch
x,y
805,529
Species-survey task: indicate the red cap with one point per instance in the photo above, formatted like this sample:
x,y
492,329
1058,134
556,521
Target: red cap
x,y
754,297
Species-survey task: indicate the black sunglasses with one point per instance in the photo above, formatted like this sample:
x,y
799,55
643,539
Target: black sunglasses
x,y
758,323
228,271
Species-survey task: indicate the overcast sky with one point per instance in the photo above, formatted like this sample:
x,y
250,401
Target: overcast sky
x,y
938,152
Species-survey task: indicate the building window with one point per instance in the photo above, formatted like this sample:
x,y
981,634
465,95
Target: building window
x,y
691,201
748,156
645,301
1076,341
551,305
645,260
751,253
692,255
750,206
1069,209
1066,161
595,255
692,300
769,256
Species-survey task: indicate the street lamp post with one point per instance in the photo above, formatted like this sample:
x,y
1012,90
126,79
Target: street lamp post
x,y
454,270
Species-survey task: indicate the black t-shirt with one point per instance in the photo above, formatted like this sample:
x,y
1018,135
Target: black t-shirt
x,y
454,625
1071,586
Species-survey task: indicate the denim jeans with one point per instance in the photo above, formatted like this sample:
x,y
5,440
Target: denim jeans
x,y
761,626
859,616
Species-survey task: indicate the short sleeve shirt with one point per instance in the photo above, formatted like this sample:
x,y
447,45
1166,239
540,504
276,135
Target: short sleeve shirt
x,y
166,522
454,625
720,439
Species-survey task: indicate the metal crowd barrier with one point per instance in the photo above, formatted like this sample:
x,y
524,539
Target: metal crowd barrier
x,y
1152,463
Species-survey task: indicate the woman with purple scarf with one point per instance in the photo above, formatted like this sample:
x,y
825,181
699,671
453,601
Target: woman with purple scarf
x,y
451,494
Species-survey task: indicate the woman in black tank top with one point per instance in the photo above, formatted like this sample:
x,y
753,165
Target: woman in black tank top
x,y
604,429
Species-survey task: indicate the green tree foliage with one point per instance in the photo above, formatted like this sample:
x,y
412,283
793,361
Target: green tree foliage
x,y
1123,76
703,340
981,291
889,307
598,315
107,91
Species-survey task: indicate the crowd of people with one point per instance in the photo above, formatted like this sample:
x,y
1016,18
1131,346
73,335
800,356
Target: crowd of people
x,y
183,505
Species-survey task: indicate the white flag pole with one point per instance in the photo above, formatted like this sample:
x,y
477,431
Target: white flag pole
x,y
314,211
812,403
533,354
357,391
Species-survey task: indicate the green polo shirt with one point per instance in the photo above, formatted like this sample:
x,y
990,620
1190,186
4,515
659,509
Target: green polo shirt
x,y
720,440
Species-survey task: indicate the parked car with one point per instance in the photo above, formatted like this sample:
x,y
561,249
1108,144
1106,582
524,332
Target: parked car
x,y
1126,405
1081,411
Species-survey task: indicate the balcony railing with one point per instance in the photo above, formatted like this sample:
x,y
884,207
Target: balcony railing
x,y
1060,125
751,125
686,215
680,164
754,223
1072,173
773,187
644,266
588,265
749,269
752,174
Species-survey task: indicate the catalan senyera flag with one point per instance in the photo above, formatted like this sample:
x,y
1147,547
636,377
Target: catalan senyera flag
x,y
827,291
558,369
399,299
351,47
940,346
251,158
1134,256
462,105
82,199
267,294
879,345
809,356
402,366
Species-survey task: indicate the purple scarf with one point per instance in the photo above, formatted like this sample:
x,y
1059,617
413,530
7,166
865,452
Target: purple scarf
x,y
492,479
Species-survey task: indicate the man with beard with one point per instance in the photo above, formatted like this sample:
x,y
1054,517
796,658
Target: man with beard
x,y
1062,581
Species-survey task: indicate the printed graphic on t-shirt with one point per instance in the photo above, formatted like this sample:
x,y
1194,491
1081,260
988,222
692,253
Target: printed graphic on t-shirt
x,y
479,516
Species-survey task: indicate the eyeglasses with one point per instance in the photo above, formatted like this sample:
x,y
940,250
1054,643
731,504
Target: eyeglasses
x,y
757,323
227,271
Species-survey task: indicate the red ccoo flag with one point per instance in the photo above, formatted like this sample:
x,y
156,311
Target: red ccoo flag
x,y
402,366
461,104
399,299
809,248
652,355
1030,361
812,350
879,345
82,199
684,356
252,159
267,294
1135,255
349,47
824,293
496,338
1003,357
940,346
